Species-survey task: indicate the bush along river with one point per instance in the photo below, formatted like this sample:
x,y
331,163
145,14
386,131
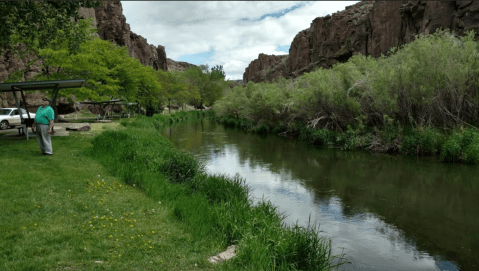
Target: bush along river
x,y
383,212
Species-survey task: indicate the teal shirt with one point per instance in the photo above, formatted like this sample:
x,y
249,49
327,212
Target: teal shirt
x,y
44,115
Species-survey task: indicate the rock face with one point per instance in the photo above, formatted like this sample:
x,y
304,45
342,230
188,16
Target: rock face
x,y
258,68
111,24
178,65
368,28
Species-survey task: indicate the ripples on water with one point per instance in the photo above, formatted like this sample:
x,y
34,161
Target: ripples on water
x,y
384,212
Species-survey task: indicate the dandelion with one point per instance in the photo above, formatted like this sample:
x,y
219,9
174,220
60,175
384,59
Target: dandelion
x,y
117,240
116,219
149,242
151,247
132,237
131,226
24,227
110,236
138,235
152,231
122,234
132,213
119,255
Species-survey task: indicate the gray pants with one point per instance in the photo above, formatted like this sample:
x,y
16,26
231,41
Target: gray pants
x,y
44,139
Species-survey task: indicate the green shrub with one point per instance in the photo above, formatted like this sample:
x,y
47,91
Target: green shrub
x,y
461,147
471,153
261,129
280,128
451,150
425,141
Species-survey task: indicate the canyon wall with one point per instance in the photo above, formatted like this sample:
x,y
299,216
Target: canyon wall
x,y
111,24
368,28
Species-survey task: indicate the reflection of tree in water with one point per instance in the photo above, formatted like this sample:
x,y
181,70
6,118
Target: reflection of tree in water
x,y
433,203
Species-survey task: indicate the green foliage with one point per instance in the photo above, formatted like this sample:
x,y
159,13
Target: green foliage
x,y
461,146
215,206
209,85
109,70
422,141
430,82
218,69
37,24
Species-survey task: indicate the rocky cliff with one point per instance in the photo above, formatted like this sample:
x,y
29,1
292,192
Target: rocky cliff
x,y
178,65
111,24
259,68
368,28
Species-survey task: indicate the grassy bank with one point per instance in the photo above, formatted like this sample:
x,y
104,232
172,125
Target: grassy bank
x,y
459,145
68,212
216,208
422,99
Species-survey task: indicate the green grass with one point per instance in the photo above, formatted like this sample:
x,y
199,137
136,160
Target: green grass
x,y
126,199
215,207
67,212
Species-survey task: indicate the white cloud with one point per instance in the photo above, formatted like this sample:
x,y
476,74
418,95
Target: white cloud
x,y
187,28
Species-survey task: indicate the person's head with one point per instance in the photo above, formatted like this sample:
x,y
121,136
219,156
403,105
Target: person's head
x,y
46,102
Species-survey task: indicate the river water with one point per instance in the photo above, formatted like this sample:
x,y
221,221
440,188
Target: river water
x,y
384,212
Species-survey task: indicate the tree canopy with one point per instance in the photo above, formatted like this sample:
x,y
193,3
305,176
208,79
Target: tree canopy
x,y
209,85
35,24
109,70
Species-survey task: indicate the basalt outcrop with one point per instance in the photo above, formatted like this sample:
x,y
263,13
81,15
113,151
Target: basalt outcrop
x,y
259,68
370,28
108,18
178,65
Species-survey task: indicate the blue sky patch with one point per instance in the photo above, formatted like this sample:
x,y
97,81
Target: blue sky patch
x,y
281,13
197,59
284,48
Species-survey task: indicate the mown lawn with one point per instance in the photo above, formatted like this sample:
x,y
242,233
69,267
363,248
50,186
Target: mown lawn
x,y
67,212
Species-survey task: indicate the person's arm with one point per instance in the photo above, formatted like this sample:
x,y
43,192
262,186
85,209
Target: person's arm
x,y
50,127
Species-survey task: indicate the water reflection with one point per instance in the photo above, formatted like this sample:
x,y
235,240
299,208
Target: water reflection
x,y
385,212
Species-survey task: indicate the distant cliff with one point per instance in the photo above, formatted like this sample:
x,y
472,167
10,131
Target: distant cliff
x,y
178,65
368,28
111,24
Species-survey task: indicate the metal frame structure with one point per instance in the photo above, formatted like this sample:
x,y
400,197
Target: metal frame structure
x,y
37,85
107,103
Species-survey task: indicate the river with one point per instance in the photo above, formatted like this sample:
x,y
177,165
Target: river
x,y
385,212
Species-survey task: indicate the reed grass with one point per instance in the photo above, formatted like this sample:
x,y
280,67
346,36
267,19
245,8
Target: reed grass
x,y
215,207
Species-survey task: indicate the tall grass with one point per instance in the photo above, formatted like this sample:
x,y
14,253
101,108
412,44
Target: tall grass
x,y
409,101
217,207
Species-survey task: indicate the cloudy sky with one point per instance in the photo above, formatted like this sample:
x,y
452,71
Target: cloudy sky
x,y
228,33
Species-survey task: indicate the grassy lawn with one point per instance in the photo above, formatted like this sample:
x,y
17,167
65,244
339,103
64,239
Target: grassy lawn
x,y
67,212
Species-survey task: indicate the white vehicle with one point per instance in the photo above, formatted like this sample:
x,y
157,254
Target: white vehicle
x,y
11,117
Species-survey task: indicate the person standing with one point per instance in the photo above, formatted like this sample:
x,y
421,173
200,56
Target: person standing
x,y
44,126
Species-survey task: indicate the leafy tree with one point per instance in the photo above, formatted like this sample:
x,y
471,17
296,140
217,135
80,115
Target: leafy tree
x,y
109,70
176,87
209,85
219,70
35,24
